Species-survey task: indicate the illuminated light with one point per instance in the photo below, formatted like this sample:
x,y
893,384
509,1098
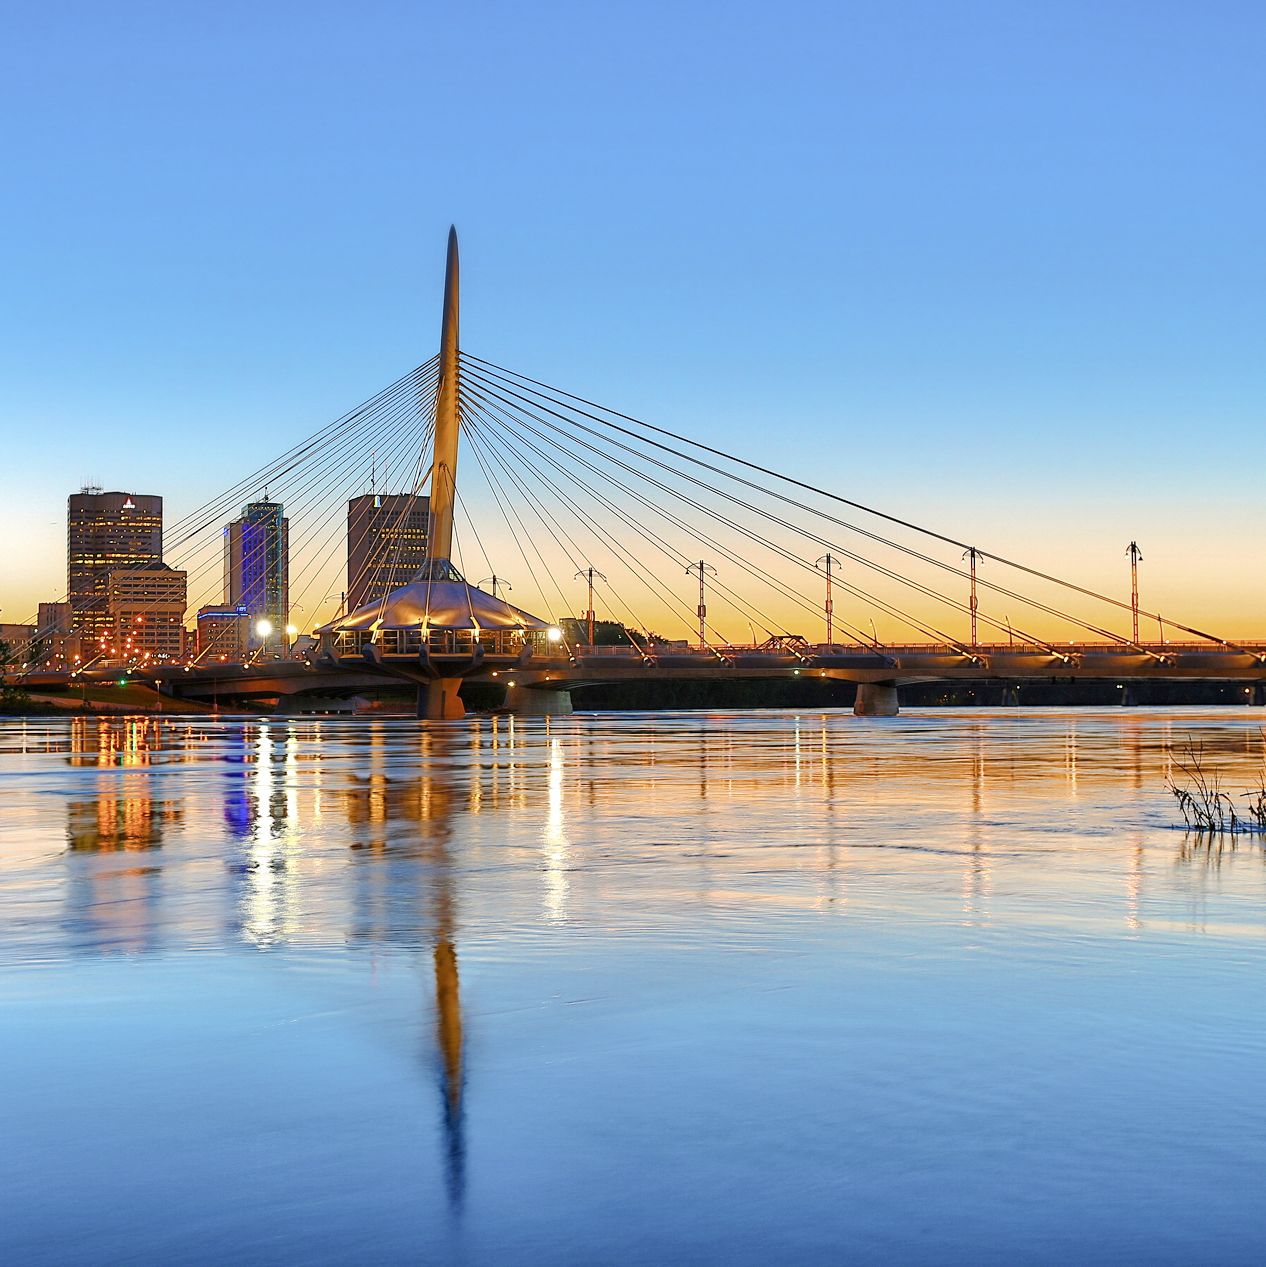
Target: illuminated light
x,y
263,628
509,683
554,634
291,630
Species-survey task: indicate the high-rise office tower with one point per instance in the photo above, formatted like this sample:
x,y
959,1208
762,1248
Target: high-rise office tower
x,y
386,544
257,571
105,531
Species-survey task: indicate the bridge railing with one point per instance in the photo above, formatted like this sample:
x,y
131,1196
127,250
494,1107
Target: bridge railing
x,y
909,648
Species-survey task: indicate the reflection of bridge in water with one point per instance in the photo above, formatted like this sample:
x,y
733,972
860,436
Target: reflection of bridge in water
x,y
384,837
572,481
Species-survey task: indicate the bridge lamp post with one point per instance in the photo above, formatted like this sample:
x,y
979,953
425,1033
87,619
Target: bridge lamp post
x,y
826,563
1135,555
702,569
589,573
263,631
973,554
494,580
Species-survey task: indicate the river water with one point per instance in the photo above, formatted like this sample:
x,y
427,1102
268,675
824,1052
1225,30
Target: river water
x,y
635,988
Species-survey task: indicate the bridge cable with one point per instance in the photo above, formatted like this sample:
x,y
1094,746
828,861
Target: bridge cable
x,y
594,527
801,531
1035,572
675,555
924,628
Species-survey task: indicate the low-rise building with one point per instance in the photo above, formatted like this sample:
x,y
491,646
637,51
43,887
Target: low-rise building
x,y
18,643
224,633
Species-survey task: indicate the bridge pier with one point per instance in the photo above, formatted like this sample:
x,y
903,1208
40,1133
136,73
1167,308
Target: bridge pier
x,y
527,701
438,700
876,699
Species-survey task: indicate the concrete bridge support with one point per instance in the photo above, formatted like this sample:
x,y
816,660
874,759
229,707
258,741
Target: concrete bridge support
x,y
876,699
438,700
528,701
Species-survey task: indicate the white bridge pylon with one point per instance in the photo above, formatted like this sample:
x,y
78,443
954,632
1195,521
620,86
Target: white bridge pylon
x,y
439,629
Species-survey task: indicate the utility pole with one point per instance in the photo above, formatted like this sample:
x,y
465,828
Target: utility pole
x,y
1135,555
702,569
494,580
590,572
973,554
827,564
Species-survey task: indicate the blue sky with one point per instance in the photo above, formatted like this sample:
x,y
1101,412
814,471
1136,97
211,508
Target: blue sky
x,y
996,266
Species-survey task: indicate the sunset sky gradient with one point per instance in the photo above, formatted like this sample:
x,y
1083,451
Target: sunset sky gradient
x,y
996,267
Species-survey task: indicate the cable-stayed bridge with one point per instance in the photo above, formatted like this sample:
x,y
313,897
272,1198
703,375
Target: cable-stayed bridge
x,y
682,547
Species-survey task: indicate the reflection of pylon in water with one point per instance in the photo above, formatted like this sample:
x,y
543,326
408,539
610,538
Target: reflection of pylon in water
x,y
448,1028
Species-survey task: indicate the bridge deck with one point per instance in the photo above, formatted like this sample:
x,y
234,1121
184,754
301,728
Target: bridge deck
x,y
897,665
